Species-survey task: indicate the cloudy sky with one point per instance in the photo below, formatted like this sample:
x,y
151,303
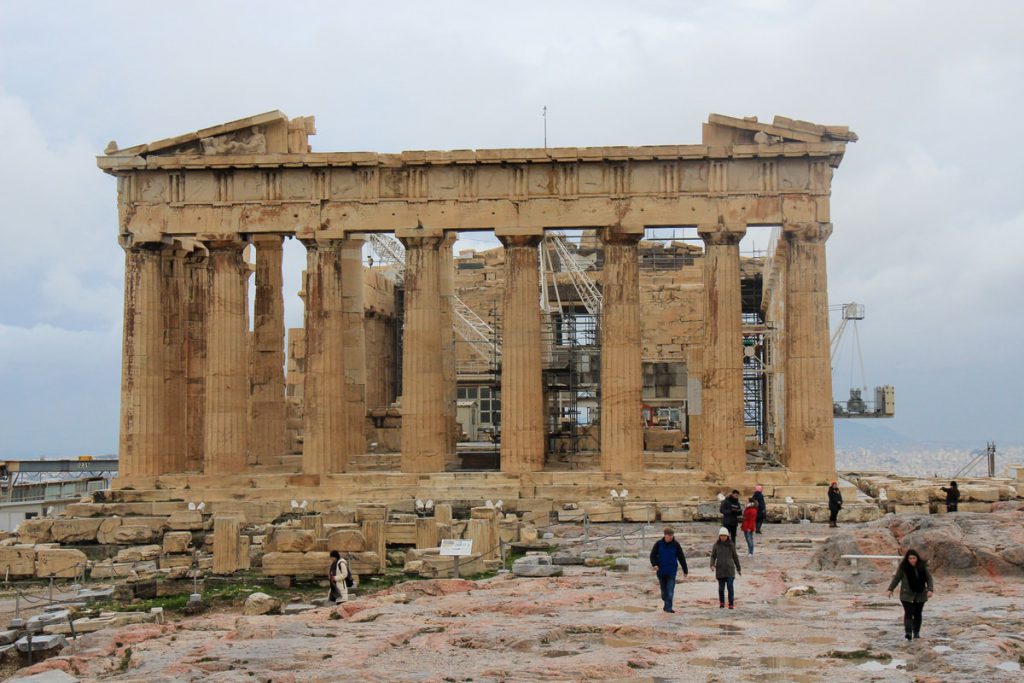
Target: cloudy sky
x,y
927,207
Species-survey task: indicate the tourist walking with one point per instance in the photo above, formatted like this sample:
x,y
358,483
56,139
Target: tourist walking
x,y
750,525
340,577
731,512
666,558
835,504
762,509
726,565
916,586
952,496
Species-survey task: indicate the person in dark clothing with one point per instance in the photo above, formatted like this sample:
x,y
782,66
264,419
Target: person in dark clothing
x,y
731,512
666,558
916,586
952,496
726,565
762,508
835,504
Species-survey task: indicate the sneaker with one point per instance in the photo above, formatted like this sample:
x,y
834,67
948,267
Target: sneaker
x,y
669,609
908,636
732,607
721,605
750,554
916,635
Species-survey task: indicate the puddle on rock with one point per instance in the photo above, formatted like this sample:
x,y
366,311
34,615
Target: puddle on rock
x,y
879,666
1009,666
632,609
787,662
730,629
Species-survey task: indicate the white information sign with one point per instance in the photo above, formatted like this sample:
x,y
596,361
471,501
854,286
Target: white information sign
x,y
456,547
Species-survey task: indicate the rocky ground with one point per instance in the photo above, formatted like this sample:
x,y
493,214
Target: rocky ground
x,y
596,624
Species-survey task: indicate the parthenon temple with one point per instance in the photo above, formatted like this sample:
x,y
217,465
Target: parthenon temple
x,y
618,337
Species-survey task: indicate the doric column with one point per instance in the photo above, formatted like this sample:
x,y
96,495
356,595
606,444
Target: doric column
x,y
266,402
172,304
324,448
424,432
144,399
622,433
723,447
522,395
354,339
446,289
227,378
197,289
808,440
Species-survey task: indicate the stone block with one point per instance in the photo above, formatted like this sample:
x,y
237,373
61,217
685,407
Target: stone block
x,y
139,553
293,540
365,563
64,563
175,561
371,512
133,534
260,603
226,545
677,512
918,509
347,541
74,530
640,512
426,533
979,493
106,529
483,512
296,564
35,531
185,520
177,542
602,511
972,506
400,533
17,562
110,570
903,494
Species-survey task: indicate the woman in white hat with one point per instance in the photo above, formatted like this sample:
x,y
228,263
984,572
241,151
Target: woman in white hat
x,y
726,565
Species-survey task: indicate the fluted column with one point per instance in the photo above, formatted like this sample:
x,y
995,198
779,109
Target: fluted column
x,y
266,404
808,444
424,432
622,435
446,288
324,447
144,400
522,394
227,379
197,289
172,302
723,448
354,340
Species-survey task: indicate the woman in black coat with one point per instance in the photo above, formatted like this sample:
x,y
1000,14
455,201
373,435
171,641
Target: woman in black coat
x,y
952,496
835,504
916,586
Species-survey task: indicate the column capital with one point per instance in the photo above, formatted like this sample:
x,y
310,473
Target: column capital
x,y
722,234
422,242
806,232
266,240
620,234
235,243
519,240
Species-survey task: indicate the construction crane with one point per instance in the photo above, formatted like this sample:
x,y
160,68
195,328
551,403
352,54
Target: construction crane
x,y
473,329
588,292
884,404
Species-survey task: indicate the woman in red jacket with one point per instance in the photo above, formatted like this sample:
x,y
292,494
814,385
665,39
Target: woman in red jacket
x,y
750,525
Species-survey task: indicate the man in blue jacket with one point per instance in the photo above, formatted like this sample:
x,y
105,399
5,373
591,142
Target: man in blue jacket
x,y
666,558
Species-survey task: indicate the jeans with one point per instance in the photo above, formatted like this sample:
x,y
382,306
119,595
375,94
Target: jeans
x,y
668,588
722,583
749,535
912,617
732,531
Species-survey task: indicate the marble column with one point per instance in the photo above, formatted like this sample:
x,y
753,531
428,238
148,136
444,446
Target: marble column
x,y
522,394
446,289
227,377
325,419
622,432
808,440
424,431
266,403
172,304
354,340
723,449
197,289
144,399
